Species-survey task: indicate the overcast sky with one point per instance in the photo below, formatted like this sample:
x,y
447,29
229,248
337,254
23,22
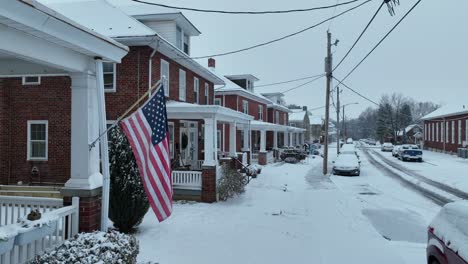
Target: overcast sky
x,y
425,58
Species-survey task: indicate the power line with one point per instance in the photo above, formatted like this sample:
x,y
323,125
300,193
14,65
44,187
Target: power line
x,y
380,42
245,12
354,91
289,81
299,86
281,38
360,35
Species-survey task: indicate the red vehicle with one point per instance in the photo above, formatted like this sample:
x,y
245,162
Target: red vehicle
x,y
448,235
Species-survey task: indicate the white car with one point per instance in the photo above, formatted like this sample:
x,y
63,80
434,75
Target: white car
x,y
347,164
347,149
396,150
387,146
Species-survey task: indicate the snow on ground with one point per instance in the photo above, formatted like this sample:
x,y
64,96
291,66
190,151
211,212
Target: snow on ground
x,y
397,213
440,167
290,214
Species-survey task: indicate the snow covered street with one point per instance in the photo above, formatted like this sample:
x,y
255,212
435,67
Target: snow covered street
x,y
290,214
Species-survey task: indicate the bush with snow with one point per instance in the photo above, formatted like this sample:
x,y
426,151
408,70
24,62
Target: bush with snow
x,y
128,202
231,183
90,248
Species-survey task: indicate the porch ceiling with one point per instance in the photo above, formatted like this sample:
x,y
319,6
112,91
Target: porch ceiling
x,y
180,110
260,125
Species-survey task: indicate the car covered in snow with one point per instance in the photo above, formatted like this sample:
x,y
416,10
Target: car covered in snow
x,y
396,150
347,149
346,164
448,235
387,146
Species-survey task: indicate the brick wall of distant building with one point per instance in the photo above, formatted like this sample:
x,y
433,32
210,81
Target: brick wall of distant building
x,y
282,116
51,101
436,137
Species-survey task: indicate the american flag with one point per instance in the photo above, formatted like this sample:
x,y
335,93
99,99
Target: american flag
x,y
148,134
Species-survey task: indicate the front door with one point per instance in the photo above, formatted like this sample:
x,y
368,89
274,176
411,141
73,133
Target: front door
x,y
189,142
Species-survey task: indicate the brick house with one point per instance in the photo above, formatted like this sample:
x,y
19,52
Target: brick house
x,y
159,46
269,129
446,129
411,134
300,118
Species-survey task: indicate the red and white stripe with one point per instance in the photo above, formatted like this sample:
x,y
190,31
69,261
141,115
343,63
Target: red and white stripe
x,y
153,163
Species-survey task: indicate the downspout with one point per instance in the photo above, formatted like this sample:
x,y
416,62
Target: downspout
x,y
104,145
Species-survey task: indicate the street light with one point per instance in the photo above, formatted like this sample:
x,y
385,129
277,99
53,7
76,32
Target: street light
x,y
344,124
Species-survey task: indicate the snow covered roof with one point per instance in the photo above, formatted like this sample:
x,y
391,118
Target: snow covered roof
x,y
408,128
231,87
242,76
447,110
297,116
315,120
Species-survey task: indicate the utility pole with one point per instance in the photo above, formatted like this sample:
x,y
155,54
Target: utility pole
x,y
328,71
344,125
337,120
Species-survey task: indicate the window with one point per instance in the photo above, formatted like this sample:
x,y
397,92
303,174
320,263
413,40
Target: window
x,y
31,80
459,132
218,139
277,117
425,131
37,140
182,85
186,44
179,37
217,101
196,88
437,132
447,132
165,76
171,138
432,133
260,112
245,107
207,93
453,131
285,119
109,76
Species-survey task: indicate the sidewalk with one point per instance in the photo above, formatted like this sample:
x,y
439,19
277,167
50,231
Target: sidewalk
x,y
289,214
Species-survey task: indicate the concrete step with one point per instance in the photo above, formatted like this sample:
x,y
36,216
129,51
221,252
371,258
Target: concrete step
x,y
48,194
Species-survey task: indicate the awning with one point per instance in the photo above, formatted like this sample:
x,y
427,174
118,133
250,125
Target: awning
x,y
261,125
187,111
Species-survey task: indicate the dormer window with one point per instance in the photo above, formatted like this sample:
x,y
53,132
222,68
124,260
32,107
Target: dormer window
x,y
182,40
186,44
249,85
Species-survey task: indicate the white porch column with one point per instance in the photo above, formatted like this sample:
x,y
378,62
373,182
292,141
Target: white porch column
x,y
275,139
262,140
296,139
246,144
84,173
290,139
232,139
210,142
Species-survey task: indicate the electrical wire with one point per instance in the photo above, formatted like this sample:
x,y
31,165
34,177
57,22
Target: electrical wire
x,y
360,36
354,91
278,39
380,42
245,12
301,85
289,81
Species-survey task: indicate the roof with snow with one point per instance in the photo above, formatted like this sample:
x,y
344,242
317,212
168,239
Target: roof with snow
x,y
232,87
408,129
297,116
447,110
315,120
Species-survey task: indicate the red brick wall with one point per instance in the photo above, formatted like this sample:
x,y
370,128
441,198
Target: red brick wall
x,y
439,143
52,101
282,115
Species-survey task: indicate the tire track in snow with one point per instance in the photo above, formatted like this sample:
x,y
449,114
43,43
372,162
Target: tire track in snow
x,y
436,184
436,198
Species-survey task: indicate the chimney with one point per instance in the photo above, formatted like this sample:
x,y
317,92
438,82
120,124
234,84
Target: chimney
x,y
304,108
211,63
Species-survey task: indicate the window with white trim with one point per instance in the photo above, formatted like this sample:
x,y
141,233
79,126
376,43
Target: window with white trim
x,y
109,76
218,139
433,134
31,80
277,117
245,107
447,132
425,131
217,101
182,85
186,44
260,112
207,93
179,36
196,89
37,139
165,76
285,119
459,132
453,131
437,132
171,138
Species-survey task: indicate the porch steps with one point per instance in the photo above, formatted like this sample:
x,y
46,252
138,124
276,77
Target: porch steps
x,y
30,191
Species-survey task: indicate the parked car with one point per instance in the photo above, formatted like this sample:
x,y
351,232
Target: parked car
x,y
387,146
347,149
314,149
448,235
410,154
346,164
349,141
396,150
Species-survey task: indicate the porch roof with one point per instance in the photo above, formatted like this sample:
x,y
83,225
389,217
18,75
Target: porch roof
x,y
260,125
182,110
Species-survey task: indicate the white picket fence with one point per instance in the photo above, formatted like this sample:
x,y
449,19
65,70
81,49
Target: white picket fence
x,y
189,180
26,245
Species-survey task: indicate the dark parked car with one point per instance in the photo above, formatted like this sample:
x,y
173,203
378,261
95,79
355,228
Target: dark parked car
x,y
448,235
410,154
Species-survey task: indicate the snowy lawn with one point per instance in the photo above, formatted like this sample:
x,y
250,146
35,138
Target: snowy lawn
x,y
289,214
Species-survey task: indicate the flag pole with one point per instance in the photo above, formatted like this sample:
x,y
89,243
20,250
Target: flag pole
x,y
156,86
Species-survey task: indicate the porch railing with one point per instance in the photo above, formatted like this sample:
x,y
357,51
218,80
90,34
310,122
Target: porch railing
x,y
14,207
196,164
270,157
28,243
189,180
254,156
